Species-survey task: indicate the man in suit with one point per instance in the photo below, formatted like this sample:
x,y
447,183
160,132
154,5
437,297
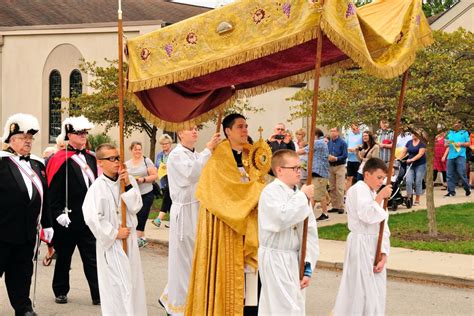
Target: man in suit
x,y
24,209
70,173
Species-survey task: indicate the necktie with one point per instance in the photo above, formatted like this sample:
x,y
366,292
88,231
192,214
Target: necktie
x,y
80,151
25,158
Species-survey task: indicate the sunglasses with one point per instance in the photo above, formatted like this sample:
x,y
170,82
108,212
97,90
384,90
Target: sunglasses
x,y
111,158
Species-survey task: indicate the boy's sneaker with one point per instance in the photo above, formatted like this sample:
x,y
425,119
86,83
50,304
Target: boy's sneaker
x,y
142,243
322,218
468,193
157,222
449,194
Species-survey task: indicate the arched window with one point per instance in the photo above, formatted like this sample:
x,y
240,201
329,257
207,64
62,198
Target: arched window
x,y
54,105
75,87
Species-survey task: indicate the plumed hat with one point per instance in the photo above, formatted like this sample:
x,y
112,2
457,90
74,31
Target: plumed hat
x,y
75,124
18,124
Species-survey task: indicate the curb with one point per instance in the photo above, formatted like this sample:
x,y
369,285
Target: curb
x,y
410,276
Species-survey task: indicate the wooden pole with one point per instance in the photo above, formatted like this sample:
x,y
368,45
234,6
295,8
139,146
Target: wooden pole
x,y
219,122
401,99
121,129
314,113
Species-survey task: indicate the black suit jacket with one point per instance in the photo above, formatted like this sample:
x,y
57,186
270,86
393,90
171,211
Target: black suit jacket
x,y
76,193
19,213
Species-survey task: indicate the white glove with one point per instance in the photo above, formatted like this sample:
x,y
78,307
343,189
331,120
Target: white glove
x,y
63,220
48,234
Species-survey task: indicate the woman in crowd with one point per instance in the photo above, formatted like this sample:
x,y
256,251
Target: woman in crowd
x,y
438,164
160,162
144,171
369,149
300,141
417,158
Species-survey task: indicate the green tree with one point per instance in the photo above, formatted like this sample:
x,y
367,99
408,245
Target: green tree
x,y
440,91
101,106
433,7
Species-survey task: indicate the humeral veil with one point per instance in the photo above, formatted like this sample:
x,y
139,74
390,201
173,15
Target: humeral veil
x,y
226,238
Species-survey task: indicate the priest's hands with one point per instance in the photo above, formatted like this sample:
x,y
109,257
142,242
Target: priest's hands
x,y
305,282
214,141
123,175
123,233
379,267
308,190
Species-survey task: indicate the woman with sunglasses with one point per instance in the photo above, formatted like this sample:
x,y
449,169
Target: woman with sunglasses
x,y
144,171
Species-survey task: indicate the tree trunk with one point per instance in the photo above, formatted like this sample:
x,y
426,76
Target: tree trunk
x,y
153,143
430,206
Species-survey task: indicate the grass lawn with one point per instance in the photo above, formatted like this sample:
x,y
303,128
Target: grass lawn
x,y
155,210
410,230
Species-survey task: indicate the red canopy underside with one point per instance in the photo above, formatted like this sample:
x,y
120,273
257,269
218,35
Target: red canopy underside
x,y
194,97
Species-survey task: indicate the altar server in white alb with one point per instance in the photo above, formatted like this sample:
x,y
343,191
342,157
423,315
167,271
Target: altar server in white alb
x,y
121,285
363,285
282,209
184,168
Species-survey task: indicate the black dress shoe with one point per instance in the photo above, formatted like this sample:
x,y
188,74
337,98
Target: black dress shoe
x,y
61,299
340,211
333,210
96,302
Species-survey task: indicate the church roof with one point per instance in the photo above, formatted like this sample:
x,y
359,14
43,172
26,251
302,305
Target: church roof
x,y
59,12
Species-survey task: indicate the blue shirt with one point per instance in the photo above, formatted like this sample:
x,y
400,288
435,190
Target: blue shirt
x,y
353,141
415,150
320,158
453,137
338,148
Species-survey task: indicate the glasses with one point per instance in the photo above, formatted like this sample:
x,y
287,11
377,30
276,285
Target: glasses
x,y
295,168
280,129
81,133
111,158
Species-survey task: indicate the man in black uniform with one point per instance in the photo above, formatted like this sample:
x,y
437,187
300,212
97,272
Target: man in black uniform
x,y
23,192
70,173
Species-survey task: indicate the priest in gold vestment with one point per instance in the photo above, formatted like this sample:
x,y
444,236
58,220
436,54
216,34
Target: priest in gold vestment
x,y
224,271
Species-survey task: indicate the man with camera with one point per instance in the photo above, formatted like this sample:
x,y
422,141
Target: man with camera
x,y
280,139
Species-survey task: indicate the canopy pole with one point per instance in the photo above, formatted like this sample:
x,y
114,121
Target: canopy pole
x,y
314,113
401,99
121,129
219,122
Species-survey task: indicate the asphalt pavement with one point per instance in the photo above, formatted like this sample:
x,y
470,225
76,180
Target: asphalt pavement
x,y
403,298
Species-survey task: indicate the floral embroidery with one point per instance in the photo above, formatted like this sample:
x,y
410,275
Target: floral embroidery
x,y
258,16
191,38
418,20
287,9
169,49
350,10
145,53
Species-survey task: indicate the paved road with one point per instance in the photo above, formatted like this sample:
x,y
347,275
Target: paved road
x,y
403,298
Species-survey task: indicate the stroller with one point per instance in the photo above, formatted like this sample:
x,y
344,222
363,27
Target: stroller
x,y
398,180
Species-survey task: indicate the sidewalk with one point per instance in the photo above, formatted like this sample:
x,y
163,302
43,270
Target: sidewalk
x,y
415,265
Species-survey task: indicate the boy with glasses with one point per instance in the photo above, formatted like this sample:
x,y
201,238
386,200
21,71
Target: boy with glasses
x,y
282,209
120,274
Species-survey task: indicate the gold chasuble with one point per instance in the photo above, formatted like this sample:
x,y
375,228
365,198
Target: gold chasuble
x,y
226,237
